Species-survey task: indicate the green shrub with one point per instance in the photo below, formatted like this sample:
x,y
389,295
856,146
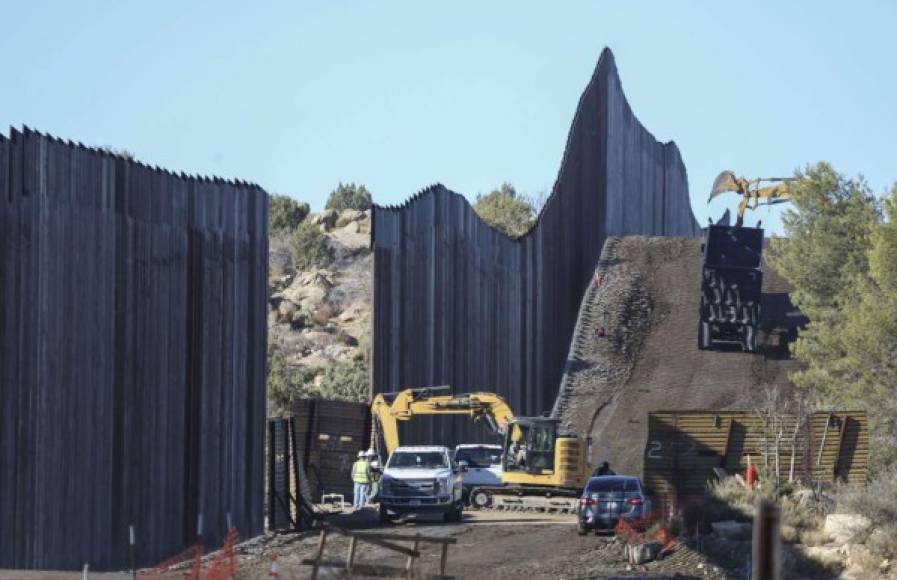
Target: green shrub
x,y
285,213
347,381
310,248
506,210
349,196
280,253
287,383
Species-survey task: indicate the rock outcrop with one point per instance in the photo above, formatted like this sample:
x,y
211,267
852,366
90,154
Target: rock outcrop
x,y
321,317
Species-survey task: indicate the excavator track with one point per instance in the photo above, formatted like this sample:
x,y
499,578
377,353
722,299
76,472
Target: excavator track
x,y
512,498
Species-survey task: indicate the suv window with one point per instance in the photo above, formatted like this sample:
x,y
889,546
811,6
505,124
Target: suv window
x,y
612,484
422,460
479,456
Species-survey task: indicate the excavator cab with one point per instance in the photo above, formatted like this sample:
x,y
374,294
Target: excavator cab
x,y
529,445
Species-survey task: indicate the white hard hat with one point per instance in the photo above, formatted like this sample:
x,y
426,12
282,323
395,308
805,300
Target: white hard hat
x,y
371,453
361,453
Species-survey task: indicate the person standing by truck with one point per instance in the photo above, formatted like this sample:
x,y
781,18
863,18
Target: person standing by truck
x,y
361,480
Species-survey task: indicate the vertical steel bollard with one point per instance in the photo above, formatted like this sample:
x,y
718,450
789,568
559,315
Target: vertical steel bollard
x,y
767,545
132,550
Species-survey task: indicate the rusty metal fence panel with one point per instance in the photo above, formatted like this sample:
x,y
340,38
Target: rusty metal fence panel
x,y
132,353
684,447
458,303
329,435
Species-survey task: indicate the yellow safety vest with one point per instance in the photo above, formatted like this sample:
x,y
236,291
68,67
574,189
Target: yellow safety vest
x,y
361,471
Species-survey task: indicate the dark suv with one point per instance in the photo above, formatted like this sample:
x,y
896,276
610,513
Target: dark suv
x,y
609,498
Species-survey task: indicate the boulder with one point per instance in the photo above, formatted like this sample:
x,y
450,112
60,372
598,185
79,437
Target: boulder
x,y
326,219
364,225
842,528
286,308
352,313
825,555
348,216
350,240
305,294
732,530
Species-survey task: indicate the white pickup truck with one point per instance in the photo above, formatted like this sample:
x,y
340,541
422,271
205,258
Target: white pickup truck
x,y
483,467
421,480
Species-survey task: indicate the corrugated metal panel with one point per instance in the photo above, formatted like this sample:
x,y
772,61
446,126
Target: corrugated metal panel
x,y
684,447
458,303
132,352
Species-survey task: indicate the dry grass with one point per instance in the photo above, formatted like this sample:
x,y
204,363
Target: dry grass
x,y
867,562
801,522
877,500
883,541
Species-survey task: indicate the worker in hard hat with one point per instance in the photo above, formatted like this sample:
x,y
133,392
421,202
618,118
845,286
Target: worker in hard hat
x,y
375,476
361,480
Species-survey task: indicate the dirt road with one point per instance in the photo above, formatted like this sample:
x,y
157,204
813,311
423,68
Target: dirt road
x,y
492,544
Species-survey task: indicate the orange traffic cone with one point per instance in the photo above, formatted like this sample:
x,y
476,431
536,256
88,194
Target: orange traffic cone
x,y
274,574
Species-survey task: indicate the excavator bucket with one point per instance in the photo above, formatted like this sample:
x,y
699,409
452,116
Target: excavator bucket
x,y
724,182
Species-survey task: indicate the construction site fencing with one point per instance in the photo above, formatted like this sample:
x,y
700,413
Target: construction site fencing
x,y
456,302
132,357
685,447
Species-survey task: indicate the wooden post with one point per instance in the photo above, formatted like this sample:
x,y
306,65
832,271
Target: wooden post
x,y
443,559
319,553
350,558
410,562
767,549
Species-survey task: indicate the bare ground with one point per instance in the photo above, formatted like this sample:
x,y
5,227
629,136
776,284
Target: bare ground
x,y
491,544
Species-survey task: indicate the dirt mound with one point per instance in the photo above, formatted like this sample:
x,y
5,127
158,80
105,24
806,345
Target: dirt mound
x,y
635,347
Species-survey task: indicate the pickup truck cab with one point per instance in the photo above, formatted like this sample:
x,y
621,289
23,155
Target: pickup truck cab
x,y
483,466
421,479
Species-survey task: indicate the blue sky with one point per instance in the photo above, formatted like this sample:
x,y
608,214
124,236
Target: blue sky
x,y
298,96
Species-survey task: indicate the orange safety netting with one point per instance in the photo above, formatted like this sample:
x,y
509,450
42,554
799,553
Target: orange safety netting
x,y
222,565
635,531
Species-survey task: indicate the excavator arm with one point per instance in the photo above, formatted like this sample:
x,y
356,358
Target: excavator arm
x,y
750,191
388,409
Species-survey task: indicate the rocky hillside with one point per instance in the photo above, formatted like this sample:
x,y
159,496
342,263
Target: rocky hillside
x,y
319,318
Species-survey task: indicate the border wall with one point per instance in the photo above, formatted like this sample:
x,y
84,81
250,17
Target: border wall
x,y
458,303
684,447
132,356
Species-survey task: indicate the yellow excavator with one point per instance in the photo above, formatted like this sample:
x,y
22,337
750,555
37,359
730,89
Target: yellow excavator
x,y
542,466
750,191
